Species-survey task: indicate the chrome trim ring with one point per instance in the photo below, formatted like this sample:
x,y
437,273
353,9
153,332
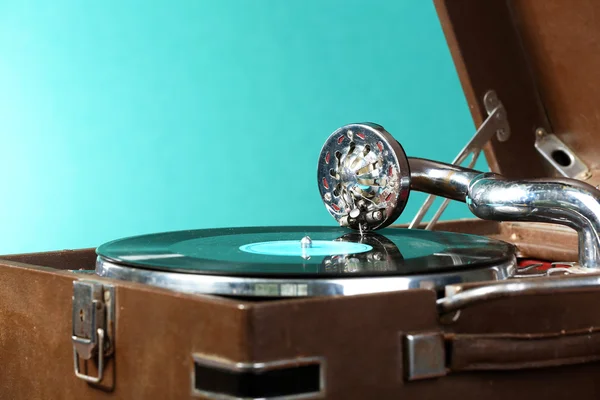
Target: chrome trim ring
x,y
267,287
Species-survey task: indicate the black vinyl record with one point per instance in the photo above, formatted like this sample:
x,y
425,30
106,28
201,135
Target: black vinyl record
x,y
333,252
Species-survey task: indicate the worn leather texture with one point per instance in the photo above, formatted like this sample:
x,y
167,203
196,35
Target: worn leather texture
x,y
360,338
560,39
496,352
533,240
487,51
543,60
156,333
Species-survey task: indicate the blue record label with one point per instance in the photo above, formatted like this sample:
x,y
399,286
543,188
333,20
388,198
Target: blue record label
x,y
294,248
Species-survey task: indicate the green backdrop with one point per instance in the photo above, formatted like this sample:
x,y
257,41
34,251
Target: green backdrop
x,y
119,118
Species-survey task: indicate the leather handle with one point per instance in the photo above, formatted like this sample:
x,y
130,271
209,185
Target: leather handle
x,y
513,352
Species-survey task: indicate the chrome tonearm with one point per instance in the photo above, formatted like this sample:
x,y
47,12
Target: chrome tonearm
x,y
365,178
490,196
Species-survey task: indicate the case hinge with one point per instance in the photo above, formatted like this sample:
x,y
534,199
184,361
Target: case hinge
x,y
560,156
93,327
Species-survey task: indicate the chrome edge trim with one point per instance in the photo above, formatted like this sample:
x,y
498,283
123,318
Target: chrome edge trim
x,y
267,287
458,299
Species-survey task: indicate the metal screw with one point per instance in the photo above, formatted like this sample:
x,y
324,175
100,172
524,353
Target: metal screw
x,y
540,132
587,175
491,100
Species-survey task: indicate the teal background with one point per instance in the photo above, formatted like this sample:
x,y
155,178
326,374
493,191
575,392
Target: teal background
x,y
120,118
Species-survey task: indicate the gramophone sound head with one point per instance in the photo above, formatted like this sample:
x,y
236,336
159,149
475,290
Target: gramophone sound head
x,y
363,176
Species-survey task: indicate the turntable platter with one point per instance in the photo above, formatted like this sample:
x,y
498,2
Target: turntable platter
x,y
233,261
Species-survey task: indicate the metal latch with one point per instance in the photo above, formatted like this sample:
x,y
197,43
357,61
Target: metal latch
x,y
93,326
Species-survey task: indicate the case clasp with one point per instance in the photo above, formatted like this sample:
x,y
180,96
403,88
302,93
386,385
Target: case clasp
x,y
93,326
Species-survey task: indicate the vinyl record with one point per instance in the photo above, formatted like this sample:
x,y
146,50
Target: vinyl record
x,y
279,252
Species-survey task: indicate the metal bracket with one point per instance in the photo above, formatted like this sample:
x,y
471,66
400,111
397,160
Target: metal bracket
x,y
93,326
560,156
425,355
495,124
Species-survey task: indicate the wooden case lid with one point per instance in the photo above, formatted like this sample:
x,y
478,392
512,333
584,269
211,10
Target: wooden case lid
x,y
542,57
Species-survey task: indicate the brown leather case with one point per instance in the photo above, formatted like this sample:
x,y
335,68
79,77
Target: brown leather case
x,y
543,60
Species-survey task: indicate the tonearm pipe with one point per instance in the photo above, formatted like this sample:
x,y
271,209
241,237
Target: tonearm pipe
x,y
489,196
